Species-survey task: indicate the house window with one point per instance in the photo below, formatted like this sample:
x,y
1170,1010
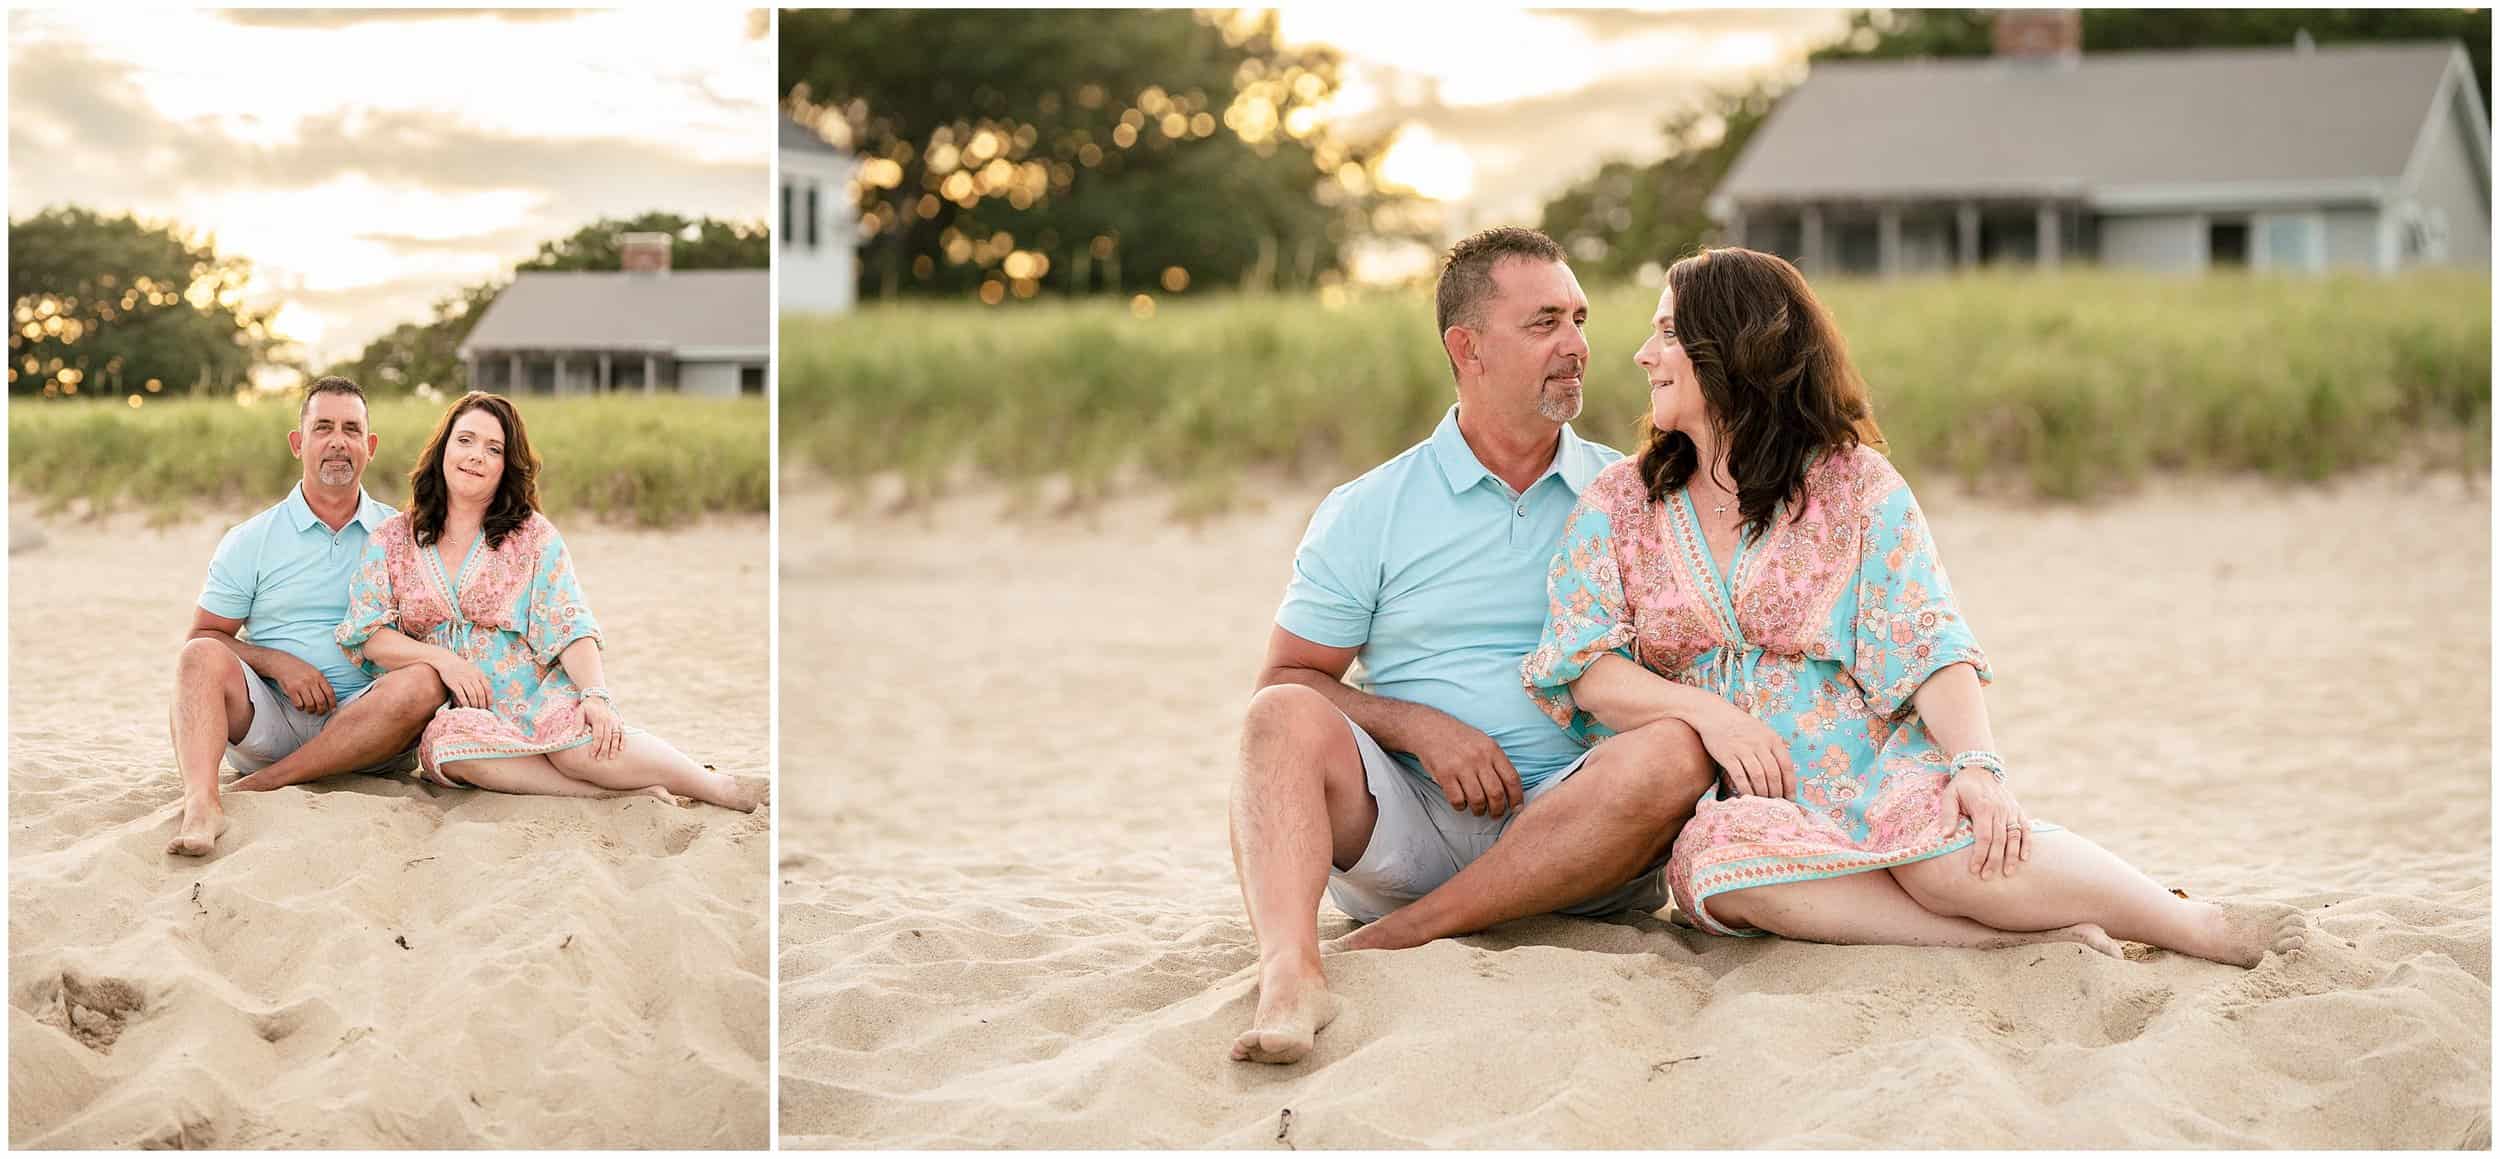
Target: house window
x,y
785,215
2226,244
811,215
750,380
2293,241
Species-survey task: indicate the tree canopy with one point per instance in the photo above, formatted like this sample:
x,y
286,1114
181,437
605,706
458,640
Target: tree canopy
x,y
1005,152
105,306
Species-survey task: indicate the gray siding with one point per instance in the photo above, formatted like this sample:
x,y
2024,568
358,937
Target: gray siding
x,y
2352,239
716,379
2166,242
2450,185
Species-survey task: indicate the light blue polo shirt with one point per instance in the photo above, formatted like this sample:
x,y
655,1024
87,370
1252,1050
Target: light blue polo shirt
x,y
284,573
1436,569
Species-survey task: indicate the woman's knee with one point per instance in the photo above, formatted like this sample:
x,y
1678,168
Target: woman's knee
x,y
1941,885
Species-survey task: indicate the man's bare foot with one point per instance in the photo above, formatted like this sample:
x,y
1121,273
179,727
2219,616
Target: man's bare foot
x,y
2242,933
1294,1004
203,822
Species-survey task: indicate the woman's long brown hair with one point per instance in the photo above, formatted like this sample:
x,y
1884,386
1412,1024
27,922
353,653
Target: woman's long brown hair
x,y
1774,373
516,494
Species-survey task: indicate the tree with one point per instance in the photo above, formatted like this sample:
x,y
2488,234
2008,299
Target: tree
x,y
1005,152
413,354
1629,215
107,306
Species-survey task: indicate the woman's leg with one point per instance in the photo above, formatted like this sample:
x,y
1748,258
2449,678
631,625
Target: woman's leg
x,y
1870,909
535,775
647,760
2069,879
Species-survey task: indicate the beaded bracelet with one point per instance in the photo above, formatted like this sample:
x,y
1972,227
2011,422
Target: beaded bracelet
x,y
599,692
1984,758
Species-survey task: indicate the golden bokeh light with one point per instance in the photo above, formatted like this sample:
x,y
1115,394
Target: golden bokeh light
x,y
1141,306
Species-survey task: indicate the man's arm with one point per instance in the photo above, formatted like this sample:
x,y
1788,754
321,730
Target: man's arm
x,y
303,684
1474,774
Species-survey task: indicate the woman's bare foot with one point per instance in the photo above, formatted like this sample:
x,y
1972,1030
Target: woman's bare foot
x,y
2089,935
1294,1004
2242,933
203,822
659,791
747,794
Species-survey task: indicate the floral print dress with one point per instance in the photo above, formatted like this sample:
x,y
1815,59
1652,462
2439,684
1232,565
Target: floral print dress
x,y
1822,630
509,609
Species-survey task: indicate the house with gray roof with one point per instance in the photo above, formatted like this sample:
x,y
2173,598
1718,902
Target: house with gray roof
x,y
646,328
2371,157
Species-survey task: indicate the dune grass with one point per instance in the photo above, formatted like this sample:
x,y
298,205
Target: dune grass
x,y
652,461
2066,385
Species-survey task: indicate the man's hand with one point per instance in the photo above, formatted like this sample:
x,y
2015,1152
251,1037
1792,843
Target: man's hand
x,y
303,684
1474,774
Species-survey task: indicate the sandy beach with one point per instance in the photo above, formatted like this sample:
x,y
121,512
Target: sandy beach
x,y
369,962
1009,917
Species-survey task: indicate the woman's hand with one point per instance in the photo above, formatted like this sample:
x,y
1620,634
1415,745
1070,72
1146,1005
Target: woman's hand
x,y
2000,832
1756,760
467,682
607,734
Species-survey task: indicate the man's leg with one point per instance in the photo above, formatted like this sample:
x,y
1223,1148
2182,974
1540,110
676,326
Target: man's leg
x,y
212,709
1299,806
1613,818
379,725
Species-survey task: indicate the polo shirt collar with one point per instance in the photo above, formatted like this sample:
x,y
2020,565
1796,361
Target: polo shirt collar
x,y
300,513
1574,460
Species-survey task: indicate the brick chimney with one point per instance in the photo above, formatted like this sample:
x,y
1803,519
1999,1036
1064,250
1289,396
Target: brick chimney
x,y
646,252
2039,33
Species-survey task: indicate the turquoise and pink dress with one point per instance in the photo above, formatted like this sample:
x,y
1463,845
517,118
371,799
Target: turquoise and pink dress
x,y
510,609
1822,630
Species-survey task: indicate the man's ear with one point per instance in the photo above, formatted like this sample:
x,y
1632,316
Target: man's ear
x,y
1460,344
372,443
295,442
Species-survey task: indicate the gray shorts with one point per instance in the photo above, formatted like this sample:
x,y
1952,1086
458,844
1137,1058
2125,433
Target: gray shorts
x,y
279,728
1420,842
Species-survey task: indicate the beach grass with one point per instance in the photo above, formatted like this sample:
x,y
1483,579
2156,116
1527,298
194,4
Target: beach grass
x,y
2064,385
656,461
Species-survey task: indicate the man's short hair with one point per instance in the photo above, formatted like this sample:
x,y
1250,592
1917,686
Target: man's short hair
x,y
331,384
1467,273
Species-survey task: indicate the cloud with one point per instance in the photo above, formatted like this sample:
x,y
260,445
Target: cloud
x,y
80,133
348,17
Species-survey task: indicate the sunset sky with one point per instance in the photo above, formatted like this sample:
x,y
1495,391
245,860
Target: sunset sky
x,y
1505,109
370,162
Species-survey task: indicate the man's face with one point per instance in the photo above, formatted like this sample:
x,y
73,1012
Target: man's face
x,y
1531,345
332,440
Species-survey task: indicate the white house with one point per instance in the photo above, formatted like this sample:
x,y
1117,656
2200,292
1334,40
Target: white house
x,y
819,254
2371,156
646,328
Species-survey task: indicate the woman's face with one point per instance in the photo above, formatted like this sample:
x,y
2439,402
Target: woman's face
x,y
1675,402
473,458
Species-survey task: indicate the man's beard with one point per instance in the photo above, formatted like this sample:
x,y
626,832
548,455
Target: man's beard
x,y
1557,405
335,473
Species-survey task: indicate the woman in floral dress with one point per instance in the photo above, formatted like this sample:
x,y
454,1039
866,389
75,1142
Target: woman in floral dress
x,y
507,627
1761,573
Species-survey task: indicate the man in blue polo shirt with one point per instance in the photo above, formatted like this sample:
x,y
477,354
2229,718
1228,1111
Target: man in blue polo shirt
x,y
262,682
1437,800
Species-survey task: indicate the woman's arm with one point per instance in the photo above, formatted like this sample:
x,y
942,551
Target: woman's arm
x,y
581,662
1949,703
1623,696
393,650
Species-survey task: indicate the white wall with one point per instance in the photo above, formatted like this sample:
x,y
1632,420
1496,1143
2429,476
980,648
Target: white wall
x,y
2352,239
2450,188
2164,242
822,278
709,379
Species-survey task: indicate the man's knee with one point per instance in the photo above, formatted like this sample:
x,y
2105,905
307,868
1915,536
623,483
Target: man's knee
x,y
1293,721
1659,768
411,693
204,662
